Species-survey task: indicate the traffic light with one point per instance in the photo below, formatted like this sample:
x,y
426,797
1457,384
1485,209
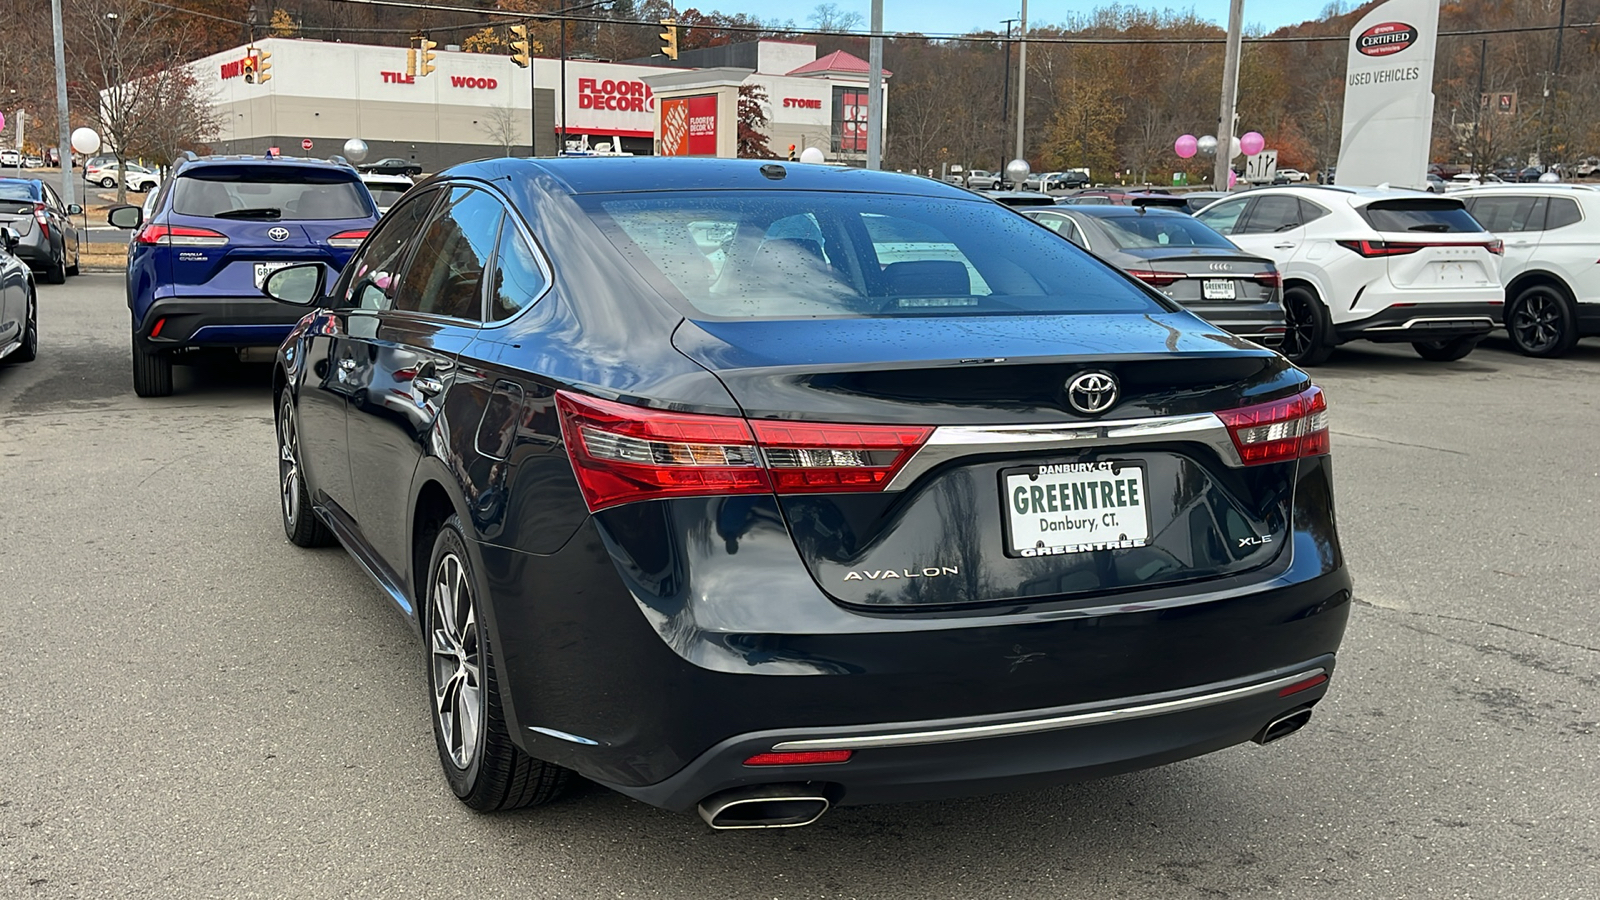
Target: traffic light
x,y
426,56
669,38
263,67
248,64
792,157
411,62
520,32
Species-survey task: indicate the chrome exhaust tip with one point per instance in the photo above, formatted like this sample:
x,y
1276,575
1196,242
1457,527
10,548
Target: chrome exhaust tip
x,y
763,806
1283,726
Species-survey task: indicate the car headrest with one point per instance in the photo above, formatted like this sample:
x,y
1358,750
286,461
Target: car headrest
x,y
927,278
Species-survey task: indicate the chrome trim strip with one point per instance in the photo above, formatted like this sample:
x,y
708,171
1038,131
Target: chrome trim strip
x,y
1412,323
562,735
1054,723
954,441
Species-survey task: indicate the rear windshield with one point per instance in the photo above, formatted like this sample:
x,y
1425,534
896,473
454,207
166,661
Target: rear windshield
x,y
386,197
1439,216
16,190
750,254
261,193
1138,232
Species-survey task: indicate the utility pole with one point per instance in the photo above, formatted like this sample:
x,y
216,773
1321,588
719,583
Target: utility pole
x,y
875,89
1005,91
1230,96
1477,118
68,183
1022,77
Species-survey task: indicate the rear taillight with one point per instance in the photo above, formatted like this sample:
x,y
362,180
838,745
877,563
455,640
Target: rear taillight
x,y
1280,430
1496,246
42,216
348,238
1156,279
624,453
1269,279
180,236
1371,249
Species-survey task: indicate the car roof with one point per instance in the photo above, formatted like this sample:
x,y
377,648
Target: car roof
x,y
189,161
624,174
1356,196
1526,186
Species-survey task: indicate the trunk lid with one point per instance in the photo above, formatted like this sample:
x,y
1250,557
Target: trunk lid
x,y
1200,276
1106,504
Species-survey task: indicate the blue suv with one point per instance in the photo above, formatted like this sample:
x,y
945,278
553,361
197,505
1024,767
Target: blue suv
x,y
215,231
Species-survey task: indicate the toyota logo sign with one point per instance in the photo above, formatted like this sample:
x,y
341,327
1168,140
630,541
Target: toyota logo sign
x,y
278,233
1092,393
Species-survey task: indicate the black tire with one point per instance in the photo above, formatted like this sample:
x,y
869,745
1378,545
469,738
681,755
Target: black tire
x,y
1306,340
1448,350
1542,323
485,770
73,270
29,351
56,272
152,372
300,523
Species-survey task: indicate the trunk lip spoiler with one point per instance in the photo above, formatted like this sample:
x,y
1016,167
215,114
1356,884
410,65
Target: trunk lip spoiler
x,y
949,442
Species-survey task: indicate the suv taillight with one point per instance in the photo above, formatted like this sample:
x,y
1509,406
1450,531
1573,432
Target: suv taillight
x,y
623,453
179,236
348,238
1370,249
1280,430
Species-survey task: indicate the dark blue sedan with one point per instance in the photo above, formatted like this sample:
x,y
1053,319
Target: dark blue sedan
x,y
760,488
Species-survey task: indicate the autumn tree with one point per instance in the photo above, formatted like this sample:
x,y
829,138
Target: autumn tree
x,y
753,123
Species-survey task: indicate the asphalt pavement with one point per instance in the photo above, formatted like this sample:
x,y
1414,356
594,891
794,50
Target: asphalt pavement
x,y
196,708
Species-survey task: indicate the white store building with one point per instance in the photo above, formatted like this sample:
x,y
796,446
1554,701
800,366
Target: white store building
x,y
475,105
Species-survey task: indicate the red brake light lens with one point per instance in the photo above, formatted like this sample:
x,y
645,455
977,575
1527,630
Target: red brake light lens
x,y
800,758
1371,249
1280,430
180,236
351,238
624,453
1496,246
1156,279
1272,279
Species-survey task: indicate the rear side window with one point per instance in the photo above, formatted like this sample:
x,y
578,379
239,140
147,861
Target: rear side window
x,y
1272,214
1161,231
263,194
1563,212
1503,212
1419,214
446,273
518,280
749,254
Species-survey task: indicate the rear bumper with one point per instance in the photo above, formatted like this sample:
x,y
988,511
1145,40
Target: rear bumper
x,y
1425,322
177,322
1259,322
905,761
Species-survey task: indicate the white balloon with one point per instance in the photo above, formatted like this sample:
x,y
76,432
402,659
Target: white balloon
x,y
1207,144
1549,178
1017,171
1237,148
812,155
84,140
355,150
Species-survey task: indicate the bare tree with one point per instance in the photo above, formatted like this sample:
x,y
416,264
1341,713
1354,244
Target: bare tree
x,y
503,125
829,17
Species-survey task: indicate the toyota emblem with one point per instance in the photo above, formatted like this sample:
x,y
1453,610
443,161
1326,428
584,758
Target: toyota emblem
x,y
278,233
1092,393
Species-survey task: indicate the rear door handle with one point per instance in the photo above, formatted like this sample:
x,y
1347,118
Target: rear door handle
x,y
1283,246
427,385
347,364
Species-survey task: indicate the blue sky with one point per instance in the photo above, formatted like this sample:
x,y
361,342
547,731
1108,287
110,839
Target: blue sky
x,y
959,16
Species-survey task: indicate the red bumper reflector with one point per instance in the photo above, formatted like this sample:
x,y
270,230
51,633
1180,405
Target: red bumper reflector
x,y
1305,685
800,758
156,331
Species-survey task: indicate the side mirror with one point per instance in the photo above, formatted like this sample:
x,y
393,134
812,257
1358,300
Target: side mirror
x,y
74,209
125,216
9,238
300,285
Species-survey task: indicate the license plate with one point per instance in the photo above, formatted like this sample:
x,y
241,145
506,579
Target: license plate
x,y
265,269
1218,289
1075,508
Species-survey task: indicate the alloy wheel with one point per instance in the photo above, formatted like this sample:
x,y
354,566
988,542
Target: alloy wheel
x,y
1300,334
1537,322
456,653
288,463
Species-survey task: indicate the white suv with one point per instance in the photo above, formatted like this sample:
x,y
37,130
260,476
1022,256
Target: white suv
x,y
1552,265
1370,264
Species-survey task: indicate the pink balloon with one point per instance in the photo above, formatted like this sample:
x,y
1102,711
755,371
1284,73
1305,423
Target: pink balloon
x,y
1232,178
1186,146
1252,143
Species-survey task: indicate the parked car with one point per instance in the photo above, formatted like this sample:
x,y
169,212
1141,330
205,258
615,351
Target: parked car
x,y
1194,201
1587,167
1183,259
47,238
1292,176
1125,197
1552,242
19,303
10,158
979,180
1436,184
1367,264
1529,175
138,178
584,439
386,189
32,161
392,166
1020,198
222,224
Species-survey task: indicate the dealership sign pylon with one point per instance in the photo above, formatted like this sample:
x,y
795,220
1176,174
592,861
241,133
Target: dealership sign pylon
x,y
1388,96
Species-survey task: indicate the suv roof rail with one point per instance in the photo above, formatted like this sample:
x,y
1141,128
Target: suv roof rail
x,y
338,160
